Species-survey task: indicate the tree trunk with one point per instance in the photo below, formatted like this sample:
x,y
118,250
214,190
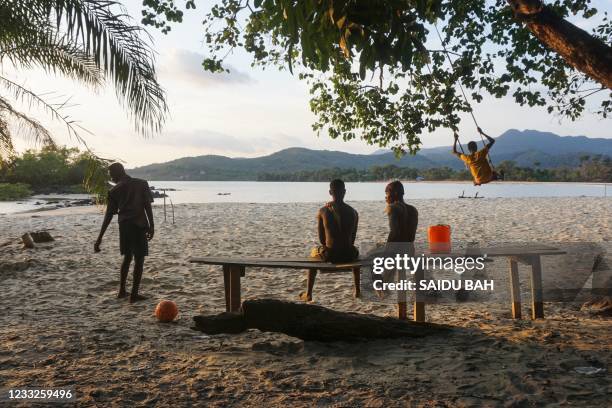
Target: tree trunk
x,y
577,47
312,322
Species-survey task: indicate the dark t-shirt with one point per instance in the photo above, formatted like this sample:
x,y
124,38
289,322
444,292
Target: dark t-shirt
x,y
128,198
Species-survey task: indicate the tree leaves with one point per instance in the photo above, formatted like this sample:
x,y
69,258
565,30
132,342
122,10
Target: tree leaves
x,y
375,72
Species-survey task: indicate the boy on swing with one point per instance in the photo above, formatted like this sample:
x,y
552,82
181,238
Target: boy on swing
x,y
477,160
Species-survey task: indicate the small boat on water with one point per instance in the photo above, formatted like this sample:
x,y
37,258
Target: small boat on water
x,y
474,196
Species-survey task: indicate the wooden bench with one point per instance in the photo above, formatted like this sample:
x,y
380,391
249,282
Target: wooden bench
x,y
234,270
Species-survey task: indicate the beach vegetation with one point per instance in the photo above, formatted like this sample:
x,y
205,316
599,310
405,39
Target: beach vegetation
x,y
593,169
15,191
54,170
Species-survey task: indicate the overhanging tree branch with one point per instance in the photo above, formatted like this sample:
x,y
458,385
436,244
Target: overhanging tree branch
x,y
578,48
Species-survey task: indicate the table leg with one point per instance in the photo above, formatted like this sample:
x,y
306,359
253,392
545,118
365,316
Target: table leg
x,y
226,287
235,272
357,282
419,302
537,305
402,306
515,290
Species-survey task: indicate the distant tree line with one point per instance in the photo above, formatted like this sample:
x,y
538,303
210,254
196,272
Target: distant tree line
x,y
49,170
62,170
374,173
596,168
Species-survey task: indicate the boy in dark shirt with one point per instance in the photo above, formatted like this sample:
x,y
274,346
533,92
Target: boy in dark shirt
x,y
131,200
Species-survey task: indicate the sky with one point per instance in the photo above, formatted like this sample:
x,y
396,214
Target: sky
x,y
249,112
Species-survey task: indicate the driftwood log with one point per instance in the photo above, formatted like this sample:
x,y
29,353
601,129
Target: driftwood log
x,y
41,236
27,240
222,323
312,322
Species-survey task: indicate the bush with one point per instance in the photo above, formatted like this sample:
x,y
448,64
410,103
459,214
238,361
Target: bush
x,y
11,192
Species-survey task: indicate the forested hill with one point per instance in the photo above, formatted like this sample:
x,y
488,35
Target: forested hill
x,y
527,148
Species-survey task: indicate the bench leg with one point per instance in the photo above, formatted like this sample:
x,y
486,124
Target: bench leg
x,y
515,290
537,305
357,282
235,273
402,310
419,302
226,287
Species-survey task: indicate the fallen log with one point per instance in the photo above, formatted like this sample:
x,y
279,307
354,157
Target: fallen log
x,y
41,236
312,322
226,322
27,240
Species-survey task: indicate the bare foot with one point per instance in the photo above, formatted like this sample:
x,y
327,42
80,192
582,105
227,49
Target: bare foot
x,y
304,296
122,294
136,298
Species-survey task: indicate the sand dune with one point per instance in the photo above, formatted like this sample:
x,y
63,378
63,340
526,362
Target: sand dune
x,y
63,326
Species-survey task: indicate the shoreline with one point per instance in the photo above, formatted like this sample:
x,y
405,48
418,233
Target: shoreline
x,y
385,181
98,208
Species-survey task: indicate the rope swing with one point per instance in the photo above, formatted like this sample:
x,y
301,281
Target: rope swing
x,y
484,143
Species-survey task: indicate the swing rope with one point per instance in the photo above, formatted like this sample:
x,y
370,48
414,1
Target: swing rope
x,y
464,97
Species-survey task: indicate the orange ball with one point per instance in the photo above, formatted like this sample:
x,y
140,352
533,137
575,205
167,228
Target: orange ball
x,y
166,311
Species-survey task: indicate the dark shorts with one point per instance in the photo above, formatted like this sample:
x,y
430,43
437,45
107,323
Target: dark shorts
x,y
336,255
133,239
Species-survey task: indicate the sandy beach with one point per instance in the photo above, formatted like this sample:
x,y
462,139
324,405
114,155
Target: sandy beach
x,y
62,324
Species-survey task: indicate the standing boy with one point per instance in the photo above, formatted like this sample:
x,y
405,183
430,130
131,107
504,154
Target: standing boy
x,y
131,200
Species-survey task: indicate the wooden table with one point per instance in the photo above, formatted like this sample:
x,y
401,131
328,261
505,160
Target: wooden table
x,y
234,270
530,256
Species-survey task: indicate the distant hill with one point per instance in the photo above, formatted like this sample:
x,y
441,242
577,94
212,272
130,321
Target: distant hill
x,y
526,148
285,161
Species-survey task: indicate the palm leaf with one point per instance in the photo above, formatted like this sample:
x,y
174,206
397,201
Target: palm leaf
x,y
52,52
26,125
96,177
7,151
104,32
53,109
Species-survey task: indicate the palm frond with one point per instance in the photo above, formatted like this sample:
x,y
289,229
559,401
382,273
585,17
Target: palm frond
x,y
105,33
53,109
26,125
96,177
52,52
7,151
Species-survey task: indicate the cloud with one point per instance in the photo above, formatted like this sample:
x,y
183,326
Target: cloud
x,y
212,142
186,66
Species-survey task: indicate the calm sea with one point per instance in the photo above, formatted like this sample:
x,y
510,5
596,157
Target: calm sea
x,y
283,192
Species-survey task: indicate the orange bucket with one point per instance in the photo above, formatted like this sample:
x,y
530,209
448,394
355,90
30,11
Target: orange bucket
x,y
439,237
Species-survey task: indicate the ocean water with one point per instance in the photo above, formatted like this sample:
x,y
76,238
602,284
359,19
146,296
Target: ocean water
x,y
285,192
281,192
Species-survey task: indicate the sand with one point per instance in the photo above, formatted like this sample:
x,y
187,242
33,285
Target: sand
x,y
62,324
